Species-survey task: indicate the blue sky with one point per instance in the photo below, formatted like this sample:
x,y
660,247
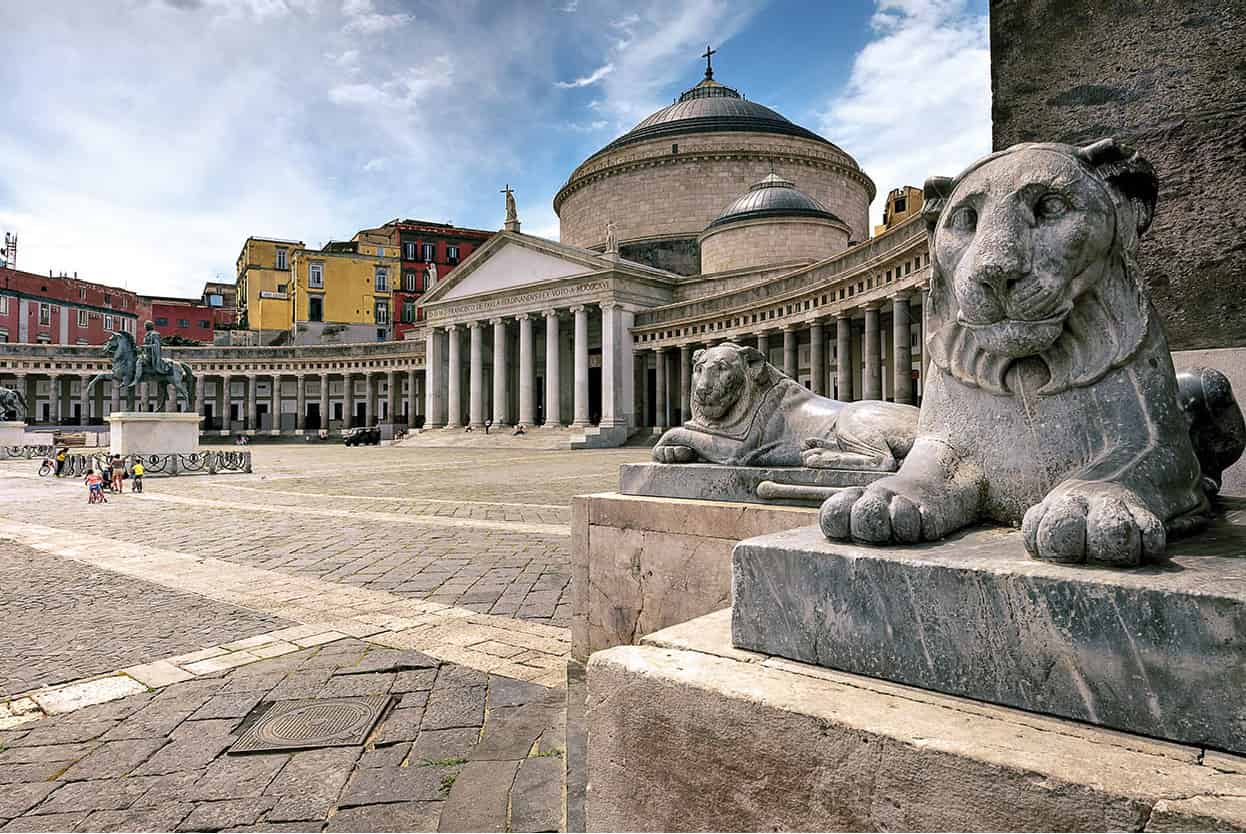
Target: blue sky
x,y
143,140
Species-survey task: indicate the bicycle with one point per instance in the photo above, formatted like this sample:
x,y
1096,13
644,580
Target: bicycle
x,y
47,467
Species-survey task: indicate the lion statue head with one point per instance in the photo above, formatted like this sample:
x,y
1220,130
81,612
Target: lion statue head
x,y
726,382
1033,255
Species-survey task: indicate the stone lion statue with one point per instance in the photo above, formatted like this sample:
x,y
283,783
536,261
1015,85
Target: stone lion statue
x,y
746,412
12,404
1052,402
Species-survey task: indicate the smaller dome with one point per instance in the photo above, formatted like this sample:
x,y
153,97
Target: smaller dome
x,y
772,197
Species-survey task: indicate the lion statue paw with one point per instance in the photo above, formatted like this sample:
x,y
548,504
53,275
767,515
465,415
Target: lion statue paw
x,y
1093,521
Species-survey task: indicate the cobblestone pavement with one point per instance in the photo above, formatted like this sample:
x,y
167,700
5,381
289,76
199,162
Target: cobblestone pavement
x,y
437,576
456,750
72,621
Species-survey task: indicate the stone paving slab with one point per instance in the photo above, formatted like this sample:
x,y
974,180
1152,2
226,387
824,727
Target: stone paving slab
x,y
161,763
63,619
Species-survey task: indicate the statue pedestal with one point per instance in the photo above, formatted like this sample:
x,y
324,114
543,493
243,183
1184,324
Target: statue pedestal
x,y
15,433
153,433
1156,650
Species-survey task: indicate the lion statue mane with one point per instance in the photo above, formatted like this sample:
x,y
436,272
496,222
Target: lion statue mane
x,y
1052,402
746,412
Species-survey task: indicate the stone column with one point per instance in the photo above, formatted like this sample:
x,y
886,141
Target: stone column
x,y
872,382
454,373
817,357
84,400
661,413
581,366
553,414
252,409
527,372
763,344
391,397
476,379
685,383
372,417
789,350
412,399
616,359
501,367
300,402
348,400
843,356
54,405
901,350
325,412
432,381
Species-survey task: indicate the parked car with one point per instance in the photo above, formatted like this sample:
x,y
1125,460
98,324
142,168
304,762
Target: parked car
x,y
362,436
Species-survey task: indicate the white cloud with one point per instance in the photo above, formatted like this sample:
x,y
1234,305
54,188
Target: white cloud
x,y
376,165
918,101
588,80
570,7
363,18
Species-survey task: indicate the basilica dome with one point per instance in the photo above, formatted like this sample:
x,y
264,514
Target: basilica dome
x,y
666,180
772,222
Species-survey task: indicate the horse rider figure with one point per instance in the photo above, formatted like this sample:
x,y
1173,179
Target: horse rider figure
x,y
150,359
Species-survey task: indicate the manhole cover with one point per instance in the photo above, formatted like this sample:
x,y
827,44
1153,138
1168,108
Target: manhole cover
x,y
326,722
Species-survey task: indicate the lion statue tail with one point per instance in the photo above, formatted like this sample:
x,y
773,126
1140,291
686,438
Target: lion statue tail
x,y
1217,428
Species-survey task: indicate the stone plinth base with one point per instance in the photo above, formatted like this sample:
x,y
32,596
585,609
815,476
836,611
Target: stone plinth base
x,y
1158,650
783,485
15,433
641,564
686,733
153,432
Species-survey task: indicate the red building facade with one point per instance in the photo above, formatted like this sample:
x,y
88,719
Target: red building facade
x,y
189,318
421,244
62,310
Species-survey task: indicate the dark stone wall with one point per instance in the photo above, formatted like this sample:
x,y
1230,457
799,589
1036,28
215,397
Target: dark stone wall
x,y
1168,76
683,257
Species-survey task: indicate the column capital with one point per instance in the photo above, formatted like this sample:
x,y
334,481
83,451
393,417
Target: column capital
x,y
609,305
475,325
522,317
843,315
550,313
579,308
789,328
873,306
902,295
451,328
496,321
660,350
817,321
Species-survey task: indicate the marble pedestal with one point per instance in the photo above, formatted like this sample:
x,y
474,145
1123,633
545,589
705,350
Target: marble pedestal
x,y
686,733
1159,650
783,485
16,433
153,433
641,563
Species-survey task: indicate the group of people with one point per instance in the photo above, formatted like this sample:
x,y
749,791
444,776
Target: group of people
x,y
116,474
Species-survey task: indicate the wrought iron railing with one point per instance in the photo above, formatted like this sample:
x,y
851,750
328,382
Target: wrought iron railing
x,y
189,463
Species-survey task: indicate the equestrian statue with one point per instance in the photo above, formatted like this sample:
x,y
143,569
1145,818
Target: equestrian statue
x,y
132,365
12,404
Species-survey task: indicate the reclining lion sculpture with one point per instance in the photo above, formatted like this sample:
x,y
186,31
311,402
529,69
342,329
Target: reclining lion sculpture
x,y
746,412
1052,402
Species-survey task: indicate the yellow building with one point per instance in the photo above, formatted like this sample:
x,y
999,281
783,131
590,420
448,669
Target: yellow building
x,y
263,273
343,293
902,203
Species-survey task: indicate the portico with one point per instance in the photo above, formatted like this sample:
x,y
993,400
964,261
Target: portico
x,y
549,339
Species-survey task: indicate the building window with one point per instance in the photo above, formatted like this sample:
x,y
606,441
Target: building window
x,y
315,275
4,336
82,293
82,318
315,309
282,263
108,323
162,322
216,300
4,305
408,312
45,314
901,204
408,282
380,251
452,254
183,322
429,252
108,300
382,312
382,279
410,251
908,268
204,323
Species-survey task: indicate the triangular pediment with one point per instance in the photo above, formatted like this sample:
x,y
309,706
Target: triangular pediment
x,y
512,266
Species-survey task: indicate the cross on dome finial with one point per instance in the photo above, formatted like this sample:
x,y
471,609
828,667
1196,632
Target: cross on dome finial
x,y
707,55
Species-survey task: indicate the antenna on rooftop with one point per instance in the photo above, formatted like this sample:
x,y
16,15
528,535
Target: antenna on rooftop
x,y
8,255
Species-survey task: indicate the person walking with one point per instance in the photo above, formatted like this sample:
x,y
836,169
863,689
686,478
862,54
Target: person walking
x,y
118,472
136,482
61,454
95,488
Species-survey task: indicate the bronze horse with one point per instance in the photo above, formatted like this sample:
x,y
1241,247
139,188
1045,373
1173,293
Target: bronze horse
x,y
120,346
